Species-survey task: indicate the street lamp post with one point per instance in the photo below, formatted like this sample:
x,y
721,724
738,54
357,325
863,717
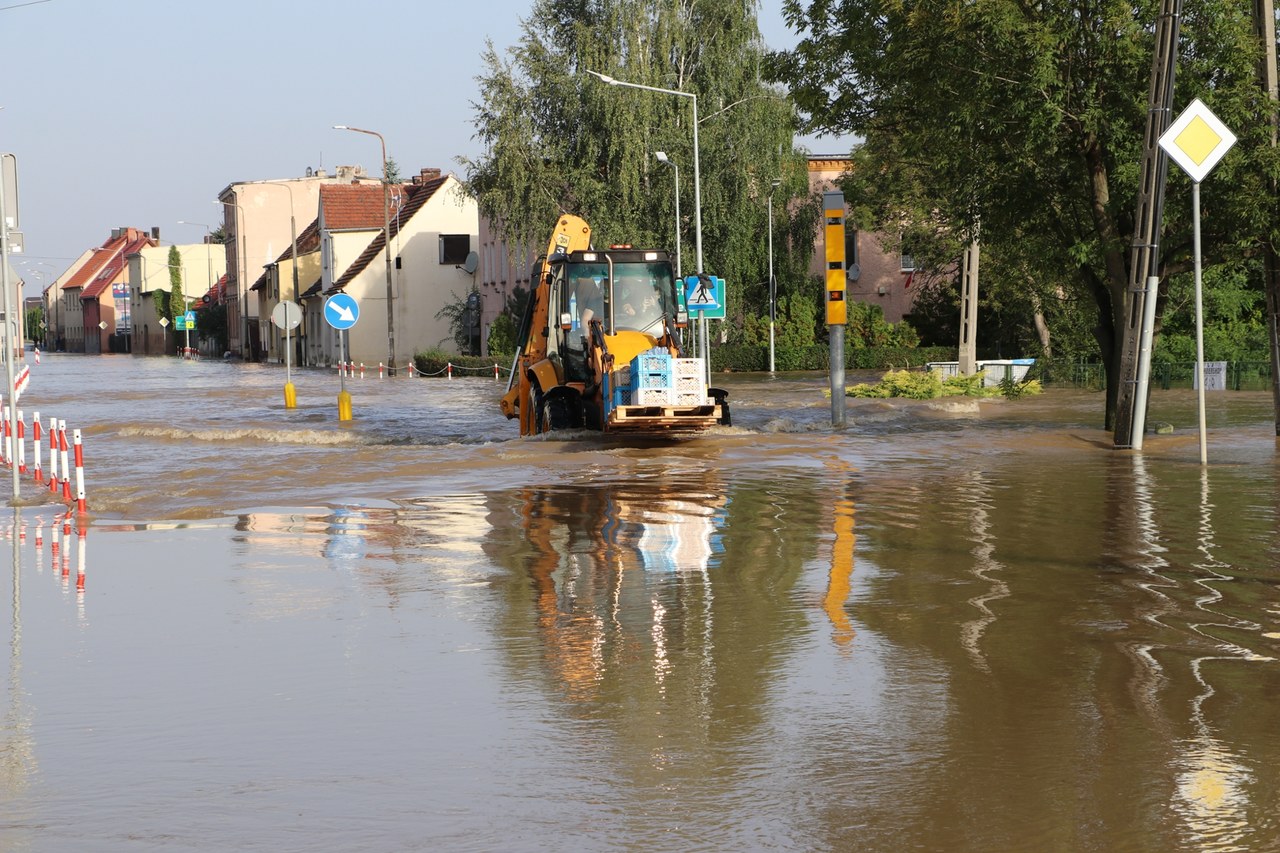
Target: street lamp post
x,y
290,394
386,239
665,160
773,288
697,191
186,297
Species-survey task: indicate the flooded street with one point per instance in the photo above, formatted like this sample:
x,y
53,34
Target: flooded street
x,y
951,626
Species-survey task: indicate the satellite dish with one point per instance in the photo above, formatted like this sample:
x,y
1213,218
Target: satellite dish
x,y
854,271
470,264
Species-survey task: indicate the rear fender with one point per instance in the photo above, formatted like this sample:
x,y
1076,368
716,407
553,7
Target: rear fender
x,y
721,397
544,376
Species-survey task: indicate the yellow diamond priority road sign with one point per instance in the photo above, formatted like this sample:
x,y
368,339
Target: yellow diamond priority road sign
x,y
1197,140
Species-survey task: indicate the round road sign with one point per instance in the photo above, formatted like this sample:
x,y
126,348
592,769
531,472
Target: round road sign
x,y
341,311
287,315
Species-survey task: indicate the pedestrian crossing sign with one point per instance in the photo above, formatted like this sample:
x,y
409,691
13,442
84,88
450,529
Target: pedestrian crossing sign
x,y
704,296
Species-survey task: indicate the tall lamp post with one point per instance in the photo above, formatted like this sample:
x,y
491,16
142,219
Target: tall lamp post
x,y
290,394
697,190
186,297
386,239
667,161
773,287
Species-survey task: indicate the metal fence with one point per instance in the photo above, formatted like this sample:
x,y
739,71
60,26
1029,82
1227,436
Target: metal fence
x,y
1240,375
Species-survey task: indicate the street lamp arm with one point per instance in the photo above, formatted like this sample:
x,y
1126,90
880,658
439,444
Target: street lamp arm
x,y
605,78
742,101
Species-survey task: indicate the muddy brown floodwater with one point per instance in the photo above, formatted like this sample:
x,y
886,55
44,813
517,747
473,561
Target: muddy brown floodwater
x,y
949,626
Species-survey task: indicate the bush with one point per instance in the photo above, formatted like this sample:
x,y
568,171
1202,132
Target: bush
x,y
929,385
433,362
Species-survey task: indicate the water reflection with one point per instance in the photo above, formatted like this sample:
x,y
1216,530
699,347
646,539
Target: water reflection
x,y
840,578
1212,792
17,747
976,497
657,593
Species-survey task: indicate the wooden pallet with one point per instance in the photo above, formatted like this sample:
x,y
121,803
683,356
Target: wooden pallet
x,y
664,418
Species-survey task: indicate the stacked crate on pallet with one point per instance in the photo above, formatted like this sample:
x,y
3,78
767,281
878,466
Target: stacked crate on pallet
x,y
688,385
651,379
621,386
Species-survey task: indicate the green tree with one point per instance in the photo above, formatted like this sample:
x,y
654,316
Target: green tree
x,y
34,319
1024,122
177,304
559,140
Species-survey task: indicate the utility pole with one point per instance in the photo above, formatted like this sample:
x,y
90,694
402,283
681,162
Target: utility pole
x,y
1139,309
1264,22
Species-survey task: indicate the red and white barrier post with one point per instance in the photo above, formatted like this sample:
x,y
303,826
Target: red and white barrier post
x,y
379,370
53,455
36,448
80,506
495,373
66,469
362,370
22,444
8,438
448,368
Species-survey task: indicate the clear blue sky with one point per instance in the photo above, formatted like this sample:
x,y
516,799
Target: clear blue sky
x,y
138,112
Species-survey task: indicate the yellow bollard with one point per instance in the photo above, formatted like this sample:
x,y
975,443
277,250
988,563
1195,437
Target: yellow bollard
x,y
290,396
344,405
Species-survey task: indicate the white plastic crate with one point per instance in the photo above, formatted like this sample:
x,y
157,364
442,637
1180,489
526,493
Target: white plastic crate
x,y
652,397
692,398
688,384
688,367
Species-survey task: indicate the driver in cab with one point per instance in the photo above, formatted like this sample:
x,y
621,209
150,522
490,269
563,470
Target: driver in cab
x,y
636,299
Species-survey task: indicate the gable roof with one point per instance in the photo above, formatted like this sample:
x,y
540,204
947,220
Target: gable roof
x,y
107,263
356,207
417,196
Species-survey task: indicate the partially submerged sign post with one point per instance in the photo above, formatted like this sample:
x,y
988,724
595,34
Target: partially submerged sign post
x,y
9,220
837,308
1196,141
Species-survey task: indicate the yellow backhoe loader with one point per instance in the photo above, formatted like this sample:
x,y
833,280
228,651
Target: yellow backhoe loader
x,y
599,345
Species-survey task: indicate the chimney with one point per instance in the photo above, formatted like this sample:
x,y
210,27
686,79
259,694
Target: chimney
x,y
115,233
425,175
155,233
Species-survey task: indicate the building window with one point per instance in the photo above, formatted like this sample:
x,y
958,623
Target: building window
x,y
907,262
850,248
454,248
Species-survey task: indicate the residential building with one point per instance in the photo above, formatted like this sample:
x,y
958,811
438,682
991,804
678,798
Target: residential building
x,y
199,265
55,304
432,236
104,293
277,284
259,220
503,268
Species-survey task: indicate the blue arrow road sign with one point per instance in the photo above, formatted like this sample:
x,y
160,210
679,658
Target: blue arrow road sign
x,y
706,296
341,311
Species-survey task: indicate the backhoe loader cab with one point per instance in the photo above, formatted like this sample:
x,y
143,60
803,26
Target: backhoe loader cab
x,y
599,346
